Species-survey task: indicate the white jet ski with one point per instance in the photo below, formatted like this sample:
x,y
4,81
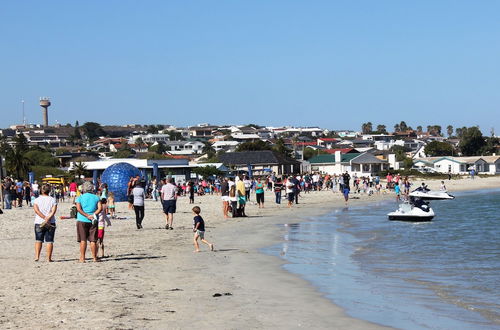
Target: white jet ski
x,y
431,195
416,212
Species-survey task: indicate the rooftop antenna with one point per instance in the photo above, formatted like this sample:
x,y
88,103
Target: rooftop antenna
x,y
24,117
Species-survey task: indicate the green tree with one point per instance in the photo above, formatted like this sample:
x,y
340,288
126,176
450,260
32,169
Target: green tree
x,y
41,157
158,148
419,129
436,148
92,130
281,148
175,136
400,152
449,130
254,146
310,153
396,128
15,157
152,129
407,163
472,142
381,129
367,128
79,169
207,171
491,146
403,127
208,150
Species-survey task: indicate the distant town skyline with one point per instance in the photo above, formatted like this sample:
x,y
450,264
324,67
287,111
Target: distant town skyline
x,y
327,64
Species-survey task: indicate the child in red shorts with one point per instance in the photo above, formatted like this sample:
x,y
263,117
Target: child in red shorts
x,y
102,221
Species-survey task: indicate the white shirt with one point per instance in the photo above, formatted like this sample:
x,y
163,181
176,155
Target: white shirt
x,y
34,186
289,186
45,204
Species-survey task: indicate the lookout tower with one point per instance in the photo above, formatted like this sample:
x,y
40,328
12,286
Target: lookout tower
x,y
45,104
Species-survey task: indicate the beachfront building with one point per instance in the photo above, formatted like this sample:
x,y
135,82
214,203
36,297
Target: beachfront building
x,y
460,165
263,162
361,164
180,169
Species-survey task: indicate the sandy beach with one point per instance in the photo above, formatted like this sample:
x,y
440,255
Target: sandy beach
x,y
152,279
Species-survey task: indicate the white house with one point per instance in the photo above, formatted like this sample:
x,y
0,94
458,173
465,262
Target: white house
x,y
225,145
363,164
184,147
461,165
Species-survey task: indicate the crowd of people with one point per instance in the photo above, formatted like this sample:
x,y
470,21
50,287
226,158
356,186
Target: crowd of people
x,y
95,206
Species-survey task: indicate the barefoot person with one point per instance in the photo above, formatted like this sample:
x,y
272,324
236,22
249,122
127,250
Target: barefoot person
x,y
103,221
169,198
88,206
199,230
45,222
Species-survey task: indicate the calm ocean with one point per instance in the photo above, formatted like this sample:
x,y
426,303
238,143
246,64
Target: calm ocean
x,y
444,274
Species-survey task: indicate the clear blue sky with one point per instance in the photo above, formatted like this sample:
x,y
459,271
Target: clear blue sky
x,y
328,63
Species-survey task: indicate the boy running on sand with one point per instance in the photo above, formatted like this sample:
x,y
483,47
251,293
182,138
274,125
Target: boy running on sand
x,y
199,230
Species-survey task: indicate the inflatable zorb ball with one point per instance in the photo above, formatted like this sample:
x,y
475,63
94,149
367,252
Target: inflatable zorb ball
x,y
117,177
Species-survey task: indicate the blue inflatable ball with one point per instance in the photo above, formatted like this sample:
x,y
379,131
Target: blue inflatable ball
x,y
117,177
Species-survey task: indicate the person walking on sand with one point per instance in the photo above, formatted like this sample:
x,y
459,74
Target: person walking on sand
x,y
278,187
103,221
199,230
139,196
169,198
88,206
45,208
259,193
73,187
224,191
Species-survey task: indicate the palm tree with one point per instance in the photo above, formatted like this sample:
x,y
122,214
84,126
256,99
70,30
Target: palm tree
x,y
396,128
208,149
366,128
17,162
449,130
381,129
79,169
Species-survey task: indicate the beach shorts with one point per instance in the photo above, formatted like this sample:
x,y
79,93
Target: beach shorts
x,y
242,200
72,193
85,231
169,206
225,198
100,233
45,234
291,197
201,234
346,192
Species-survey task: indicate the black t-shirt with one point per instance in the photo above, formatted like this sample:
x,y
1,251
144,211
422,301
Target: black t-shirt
x,y
199,219
347,177
224,189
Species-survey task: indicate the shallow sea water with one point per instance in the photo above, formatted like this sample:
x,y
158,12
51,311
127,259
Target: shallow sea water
x,y
444,274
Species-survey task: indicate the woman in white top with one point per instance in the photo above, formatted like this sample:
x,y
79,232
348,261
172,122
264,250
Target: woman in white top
x,y
45,222
139,195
